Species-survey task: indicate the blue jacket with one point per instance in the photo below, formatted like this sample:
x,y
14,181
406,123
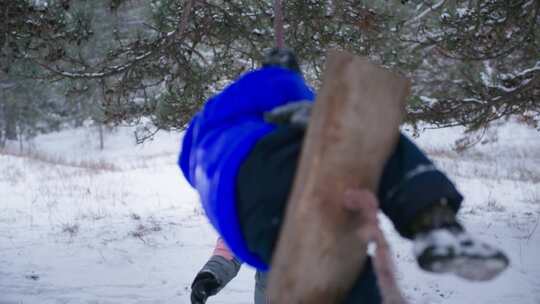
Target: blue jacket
x,y
223,133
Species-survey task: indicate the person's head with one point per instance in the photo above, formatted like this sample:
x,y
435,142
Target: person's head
x,y
284,58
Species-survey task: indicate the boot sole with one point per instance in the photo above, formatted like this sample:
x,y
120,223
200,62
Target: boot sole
x,y
469,267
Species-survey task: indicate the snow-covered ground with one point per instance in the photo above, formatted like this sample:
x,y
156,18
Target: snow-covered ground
x,y
80,225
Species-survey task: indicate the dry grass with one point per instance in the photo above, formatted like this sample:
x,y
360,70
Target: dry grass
x,y
519,165
494,206
71,229
91,165
95,215
525,173
532,197
12,175
149,161
439,152
142,230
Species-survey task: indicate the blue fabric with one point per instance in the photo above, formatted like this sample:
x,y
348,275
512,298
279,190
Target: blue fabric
x,y
223,133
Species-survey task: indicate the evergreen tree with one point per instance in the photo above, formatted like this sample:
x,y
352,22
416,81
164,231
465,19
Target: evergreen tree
x,y
471,62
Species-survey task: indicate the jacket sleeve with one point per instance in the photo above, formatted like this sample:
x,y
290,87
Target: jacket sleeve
x,y
184,160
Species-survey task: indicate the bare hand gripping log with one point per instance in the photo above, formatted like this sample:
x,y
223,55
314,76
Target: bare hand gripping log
x,y
352,131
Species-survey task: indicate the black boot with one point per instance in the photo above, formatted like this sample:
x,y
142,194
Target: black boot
x,y
442,245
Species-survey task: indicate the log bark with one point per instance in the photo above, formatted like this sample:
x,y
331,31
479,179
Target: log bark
x,y
352,131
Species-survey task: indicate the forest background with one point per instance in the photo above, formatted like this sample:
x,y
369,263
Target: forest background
x,y
65,63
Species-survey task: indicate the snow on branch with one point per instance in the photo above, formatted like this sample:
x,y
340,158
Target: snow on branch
x,y
425,12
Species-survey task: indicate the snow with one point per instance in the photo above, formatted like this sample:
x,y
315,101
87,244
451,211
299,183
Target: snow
x,y
535,68
81,225
428,100
487,76
425,12
40,4
462,12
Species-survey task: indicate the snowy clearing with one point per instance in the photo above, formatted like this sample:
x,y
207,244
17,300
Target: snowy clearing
x,y
80,225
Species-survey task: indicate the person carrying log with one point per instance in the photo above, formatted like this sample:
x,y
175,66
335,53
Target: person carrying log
x,y
241,152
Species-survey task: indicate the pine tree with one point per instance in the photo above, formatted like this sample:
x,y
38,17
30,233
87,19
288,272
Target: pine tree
x,y
471,62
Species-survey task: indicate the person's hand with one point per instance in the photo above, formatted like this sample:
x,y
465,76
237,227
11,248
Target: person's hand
x,y
296,113
364,204
204,286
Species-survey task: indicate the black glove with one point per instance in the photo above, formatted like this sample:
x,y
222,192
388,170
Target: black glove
x,y
204,286
296,113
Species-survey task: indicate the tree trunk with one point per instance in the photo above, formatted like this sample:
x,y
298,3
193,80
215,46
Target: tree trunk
x,y
21,142
353,129
10,126
101,136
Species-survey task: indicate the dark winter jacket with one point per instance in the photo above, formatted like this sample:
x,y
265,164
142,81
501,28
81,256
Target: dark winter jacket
x,y
223,133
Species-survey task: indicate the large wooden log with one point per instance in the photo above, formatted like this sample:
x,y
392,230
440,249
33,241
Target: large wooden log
x,y
353,129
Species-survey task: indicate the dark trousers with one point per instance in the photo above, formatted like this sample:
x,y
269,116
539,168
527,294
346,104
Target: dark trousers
x,y
409,184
